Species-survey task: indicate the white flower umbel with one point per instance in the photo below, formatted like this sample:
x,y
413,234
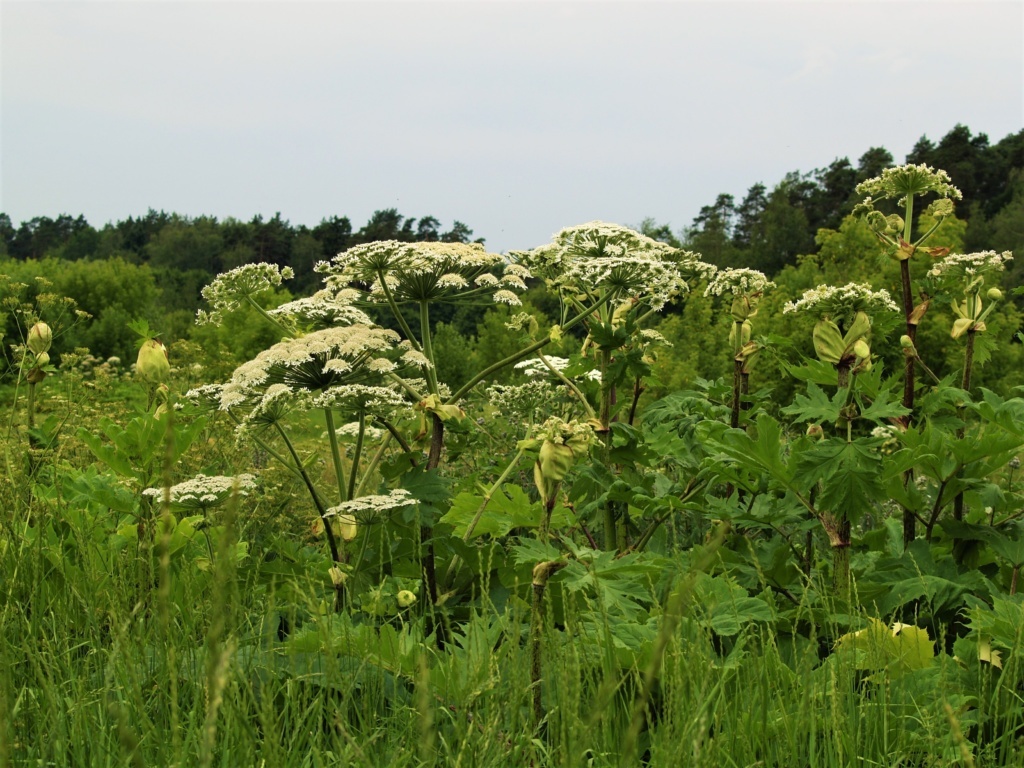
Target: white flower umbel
x,y
230,289
536,367
360,398
909,180
352,430
838,303
656,281
314,361
970,265
367,509
738,282
204,492
414,272
324,309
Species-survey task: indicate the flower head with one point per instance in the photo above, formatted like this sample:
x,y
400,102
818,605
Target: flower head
x,y
229,289
203,492
367,509
909,179
839,303
970,265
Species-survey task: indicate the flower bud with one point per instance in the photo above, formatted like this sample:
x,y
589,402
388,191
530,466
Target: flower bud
x,y
152,364
815,432
338,576
405,598
994,294
39,338
42,358
906,342
348,528
861,349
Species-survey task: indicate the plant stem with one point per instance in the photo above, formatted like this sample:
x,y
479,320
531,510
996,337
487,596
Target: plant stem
x,y
541,573
269,318
397,312
428,348
965,385
321,510
355,456
339,468
372,466
529,350
572,387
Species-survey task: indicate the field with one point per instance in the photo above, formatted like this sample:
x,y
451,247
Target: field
x,y
359,543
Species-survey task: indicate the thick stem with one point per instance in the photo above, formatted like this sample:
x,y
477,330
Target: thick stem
x,y
428,347
541,573
638,390
909,520
321,510
356,455
965,385
737,383
611,542
841,562
426,531
269,318
339,467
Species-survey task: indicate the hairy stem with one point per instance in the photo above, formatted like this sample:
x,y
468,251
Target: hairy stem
x,y
339,467
321,510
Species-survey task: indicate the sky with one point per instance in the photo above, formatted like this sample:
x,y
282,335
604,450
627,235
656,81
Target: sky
x,y
517,118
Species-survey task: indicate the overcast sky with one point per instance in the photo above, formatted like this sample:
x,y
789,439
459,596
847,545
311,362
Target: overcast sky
x,y
517,118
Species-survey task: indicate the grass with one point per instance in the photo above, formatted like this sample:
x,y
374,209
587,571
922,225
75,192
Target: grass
x,y
112,655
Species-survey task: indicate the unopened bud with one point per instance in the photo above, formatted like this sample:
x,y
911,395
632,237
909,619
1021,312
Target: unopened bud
x,y
39,338
338,576
815,431
406,598
994,294
152,364
861,349
42,359
906,342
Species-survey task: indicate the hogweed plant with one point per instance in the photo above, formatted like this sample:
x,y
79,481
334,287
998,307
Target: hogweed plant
x,y
743,289
903,185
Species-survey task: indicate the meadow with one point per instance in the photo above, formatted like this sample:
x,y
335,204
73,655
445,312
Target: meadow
x,y
667,514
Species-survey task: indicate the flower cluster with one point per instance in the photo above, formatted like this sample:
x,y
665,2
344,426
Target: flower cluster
x,y
525,401
314,361
600,256
970,265
738,282
424,272
324,309
536,367
830,301
361,398
909,180
203,492
230,289
369,508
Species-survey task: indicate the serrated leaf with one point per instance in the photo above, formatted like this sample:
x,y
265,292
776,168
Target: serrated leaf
x,y
816,405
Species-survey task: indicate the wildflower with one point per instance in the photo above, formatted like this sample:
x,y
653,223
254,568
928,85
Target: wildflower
x,y
203,492
370,508
909,179
232,288
842,303
970,265
324,309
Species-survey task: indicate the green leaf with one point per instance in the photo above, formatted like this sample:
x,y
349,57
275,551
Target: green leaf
x,y
816,405
850,474
510,507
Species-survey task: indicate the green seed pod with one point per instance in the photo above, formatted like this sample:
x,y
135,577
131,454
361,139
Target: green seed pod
x,y
39,338
152,364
